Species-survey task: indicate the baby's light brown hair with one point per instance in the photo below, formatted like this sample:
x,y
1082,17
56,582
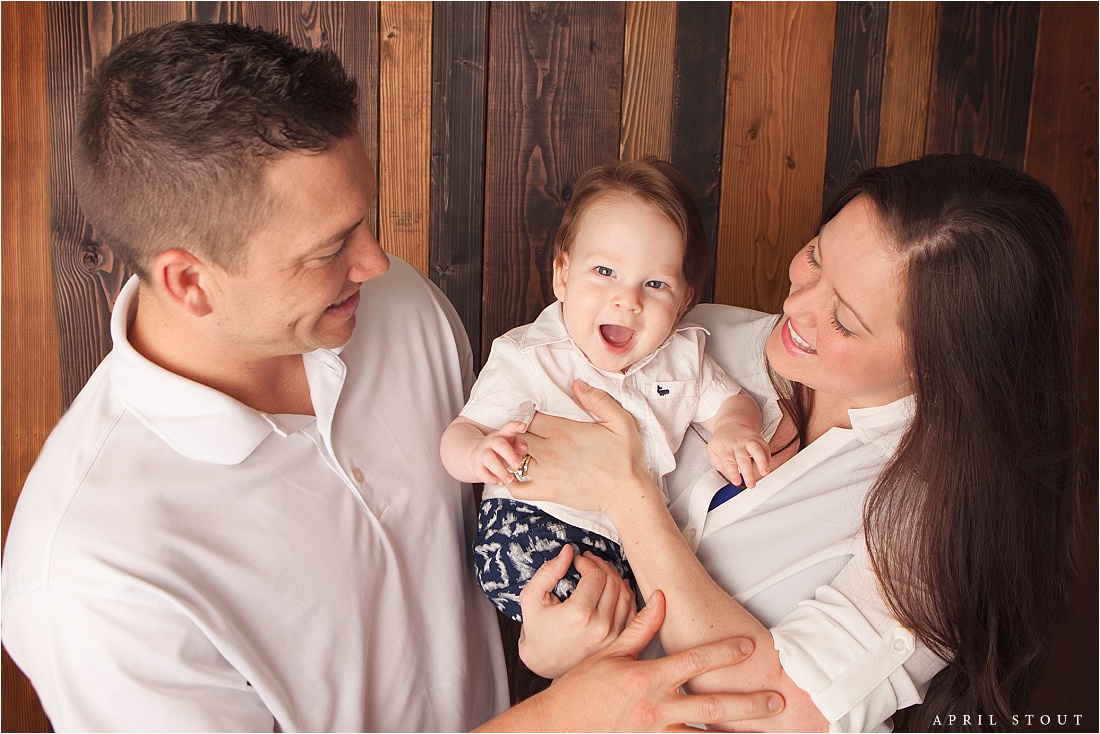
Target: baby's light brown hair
x,y
657,183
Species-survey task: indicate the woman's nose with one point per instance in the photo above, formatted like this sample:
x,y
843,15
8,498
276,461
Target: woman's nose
x,y
803,279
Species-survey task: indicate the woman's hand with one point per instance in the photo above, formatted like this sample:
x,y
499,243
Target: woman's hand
x,y
586,466
614,691
557,635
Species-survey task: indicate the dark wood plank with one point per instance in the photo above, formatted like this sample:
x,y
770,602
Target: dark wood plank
x,y
215,12
649,52
351,30
856,95
984,65
553,111
773,164
1062,151
459,72
699,106
87,278
907,82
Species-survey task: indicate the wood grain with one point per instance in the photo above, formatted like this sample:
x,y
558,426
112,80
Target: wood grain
x,y
984,65
349,29
460,47
404,130
526,96
87,277
649,53
1062,151
856,92
553,112
907,81
31,385
698,108
773,167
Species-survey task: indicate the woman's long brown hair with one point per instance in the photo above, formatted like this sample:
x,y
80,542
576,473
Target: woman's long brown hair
x,y
973,526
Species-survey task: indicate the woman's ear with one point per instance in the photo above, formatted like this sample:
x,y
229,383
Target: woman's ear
x,y
184,279
561,275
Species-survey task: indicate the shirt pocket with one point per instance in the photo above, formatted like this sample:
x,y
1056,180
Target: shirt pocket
x,y
672,390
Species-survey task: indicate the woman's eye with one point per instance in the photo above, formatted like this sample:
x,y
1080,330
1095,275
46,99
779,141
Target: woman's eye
x,y
606,272
839,326
810,257
658,284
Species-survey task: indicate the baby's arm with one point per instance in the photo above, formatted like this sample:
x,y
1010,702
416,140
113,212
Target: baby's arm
x,y
472,452
735,442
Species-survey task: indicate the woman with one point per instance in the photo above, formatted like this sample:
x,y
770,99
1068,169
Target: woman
x,y
916,536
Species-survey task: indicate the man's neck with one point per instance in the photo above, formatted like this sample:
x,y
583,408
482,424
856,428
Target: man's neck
x,y
270,385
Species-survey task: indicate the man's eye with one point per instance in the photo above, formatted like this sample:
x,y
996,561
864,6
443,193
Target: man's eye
x,y
606,272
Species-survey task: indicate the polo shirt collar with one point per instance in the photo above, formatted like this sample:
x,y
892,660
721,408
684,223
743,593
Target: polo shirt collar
x,y
197,421
549,328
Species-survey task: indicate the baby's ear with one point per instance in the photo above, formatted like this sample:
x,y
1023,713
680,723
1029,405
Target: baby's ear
x,y
686,304
561,275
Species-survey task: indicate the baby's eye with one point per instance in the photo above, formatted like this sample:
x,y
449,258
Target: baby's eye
x,y
606,272
658,284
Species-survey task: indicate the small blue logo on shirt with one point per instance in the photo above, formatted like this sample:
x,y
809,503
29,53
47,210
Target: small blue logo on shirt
x,y
662,391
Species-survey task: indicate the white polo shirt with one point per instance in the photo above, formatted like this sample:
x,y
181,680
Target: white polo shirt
x,y
179,561
533,367
791,550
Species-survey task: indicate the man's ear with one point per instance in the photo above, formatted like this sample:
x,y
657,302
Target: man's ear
x,y
561,271
184,279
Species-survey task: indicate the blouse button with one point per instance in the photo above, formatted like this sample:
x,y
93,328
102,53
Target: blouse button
x,y
899,646
357,473
691,533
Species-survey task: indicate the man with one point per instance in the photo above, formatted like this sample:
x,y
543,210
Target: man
x,y
242,522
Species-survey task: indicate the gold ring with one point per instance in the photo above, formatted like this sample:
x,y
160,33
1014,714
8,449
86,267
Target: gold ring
x,y
521,473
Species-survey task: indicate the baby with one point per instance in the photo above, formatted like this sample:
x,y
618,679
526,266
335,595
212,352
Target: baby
x,y
630,259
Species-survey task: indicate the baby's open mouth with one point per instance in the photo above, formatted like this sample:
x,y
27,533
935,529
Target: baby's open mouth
x,y
616,336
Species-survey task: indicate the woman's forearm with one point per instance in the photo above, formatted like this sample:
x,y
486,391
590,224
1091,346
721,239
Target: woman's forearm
x,y
699,611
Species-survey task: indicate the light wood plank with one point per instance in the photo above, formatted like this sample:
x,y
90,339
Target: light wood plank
x,y
907,81
649,62
404,132
32,382
773,166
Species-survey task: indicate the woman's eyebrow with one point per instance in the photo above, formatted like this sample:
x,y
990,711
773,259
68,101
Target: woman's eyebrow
x,y
839,297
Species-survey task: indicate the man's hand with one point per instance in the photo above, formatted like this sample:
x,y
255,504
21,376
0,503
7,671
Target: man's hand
x,y
614,691
557,635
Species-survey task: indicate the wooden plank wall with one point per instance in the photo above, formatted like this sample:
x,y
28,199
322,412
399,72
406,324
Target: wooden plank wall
x,y
481,116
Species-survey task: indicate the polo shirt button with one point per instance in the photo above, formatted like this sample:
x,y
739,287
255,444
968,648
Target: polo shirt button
x,y
357,473
691,532
899,646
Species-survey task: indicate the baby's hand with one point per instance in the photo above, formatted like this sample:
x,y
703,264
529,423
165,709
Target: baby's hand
x,y
495,455
737,451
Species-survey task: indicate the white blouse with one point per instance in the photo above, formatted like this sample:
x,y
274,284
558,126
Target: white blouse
x,y
791,550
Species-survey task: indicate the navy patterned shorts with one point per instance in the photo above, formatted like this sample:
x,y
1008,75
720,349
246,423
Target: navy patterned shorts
x,y
514,539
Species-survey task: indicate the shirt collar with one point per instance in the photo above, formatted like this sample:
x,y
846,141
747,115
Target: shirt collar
x,y
197,421
549,328
883,425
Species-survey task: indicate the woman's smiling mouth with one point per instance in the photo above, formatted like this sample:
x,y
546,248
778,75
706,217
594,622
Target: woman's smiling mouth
x,y
793,339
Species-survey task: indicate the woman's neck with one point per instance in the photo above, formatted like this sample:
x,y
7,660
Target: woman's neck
x,y
829,411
